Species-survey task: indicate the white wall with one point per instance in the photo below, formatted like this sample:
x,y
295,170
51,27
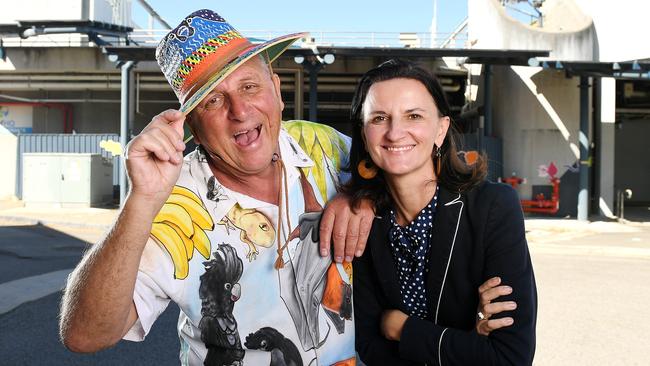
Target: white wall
x,y
535,111
99,10
42,9
8,152
490,27
621,28
76,10
537,117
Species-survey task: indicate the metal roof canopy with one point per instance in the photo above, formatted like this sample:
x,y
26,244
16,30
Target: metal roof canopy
x,y
94,29
619,70
473,56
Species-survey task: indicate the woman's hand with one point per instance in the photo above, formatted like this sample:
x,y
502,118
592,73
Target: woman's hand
x,y
487,292
392,322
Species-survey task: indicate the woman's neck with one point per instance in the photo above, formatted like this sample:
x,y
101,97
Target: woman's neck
x,y
411,195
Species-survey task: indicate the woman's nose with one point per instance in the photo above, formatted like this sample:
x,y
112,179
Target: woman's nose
x,y
395,130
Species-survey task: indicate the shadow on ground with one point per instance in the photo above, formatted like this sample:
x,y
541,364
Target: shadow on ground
x,y
29,336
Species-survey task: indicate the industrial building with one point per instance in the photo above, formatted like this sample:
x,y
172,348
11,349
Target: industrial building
x,y
566,95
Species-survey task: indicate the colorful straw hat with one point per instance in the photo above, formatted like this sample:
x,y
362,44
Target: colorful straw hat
x,y
203,50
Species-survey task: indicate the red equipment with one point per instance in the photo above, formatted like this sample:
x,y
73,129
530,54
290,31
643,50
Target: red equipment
x,y
540,204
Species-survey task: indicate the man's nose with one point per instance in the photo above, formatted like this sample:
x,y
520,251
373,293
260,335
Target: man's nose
x,y
238,107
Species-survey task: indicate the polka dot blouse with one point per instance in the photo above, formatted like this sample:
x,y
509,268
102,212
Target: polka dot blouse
x,y
409,246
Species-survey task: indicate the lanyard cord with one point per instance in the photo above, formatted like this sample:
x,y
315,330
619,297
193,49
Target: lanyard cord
x,y
279,262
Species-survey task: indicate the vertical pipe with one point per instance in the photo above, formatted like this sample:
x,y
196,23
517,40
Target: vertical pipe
x,y
487,99
124,122
313,92
298,95
583,140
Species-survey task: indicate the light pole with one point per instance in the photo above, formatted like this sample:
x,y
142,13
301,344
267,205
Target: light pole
x,y
313,64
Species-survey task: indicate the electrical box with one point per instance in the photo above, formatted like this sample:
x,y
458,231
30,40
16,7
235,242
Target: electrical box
x,y
66,180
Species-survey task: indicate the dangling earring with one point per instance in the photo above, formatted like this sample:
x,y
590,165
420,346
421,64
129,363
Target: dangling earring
x,y
366,169
438,161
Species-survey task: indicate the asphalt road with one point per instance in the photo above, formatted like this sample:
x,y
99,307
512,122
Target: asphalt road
x,y
29,332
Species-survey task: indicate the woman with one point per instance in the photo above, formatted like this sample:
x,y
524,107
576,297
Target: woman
x,y
441,231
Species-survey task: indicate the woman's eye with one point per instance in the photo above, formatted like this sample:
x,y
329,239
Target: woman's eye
x,y
378,119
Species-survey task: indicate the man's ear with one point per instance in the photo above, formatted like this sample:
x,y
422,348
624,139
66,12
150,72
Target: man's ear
x,y
276,85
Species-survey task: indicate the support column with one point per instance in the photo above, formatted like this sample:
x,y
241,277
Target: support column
x,y
125,89
487,99
583,141
313,68
298,95
606,147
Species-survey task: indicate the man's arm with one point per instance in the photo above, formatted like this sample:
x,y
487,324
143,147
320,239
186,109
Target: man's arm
x,y
97,307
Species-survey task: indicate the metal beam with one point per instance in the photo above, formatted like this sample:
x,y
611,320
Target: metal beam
x,y
124,123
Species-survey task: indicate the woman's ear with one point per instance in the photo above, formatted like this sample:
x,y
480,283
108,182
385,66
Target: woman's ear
x,y
442,131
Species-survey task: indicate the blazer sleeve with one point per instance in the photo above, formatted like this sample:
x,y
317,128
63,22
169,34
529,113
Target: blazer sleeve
x,y
505,255
372,347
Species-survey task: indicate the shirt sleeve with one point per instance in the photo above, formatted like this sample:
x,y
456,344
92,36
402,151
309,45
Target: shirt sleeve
x,y
344,144
150,295
372,347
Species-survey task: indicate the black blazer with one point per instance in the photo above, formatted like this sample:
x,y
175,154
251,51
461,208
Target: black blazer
x,y
476,235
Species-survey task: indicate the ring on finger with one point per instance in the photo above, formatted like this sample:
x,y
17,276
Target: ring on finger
x,y
481,316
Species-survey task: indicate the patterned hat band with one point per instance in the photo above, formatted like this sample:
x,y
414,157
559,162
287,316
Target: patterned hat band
x,y
203,50
191,77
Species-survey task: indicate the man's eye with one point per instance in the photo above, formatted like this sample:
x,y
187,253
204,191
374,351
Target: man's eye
x,y
414,116
214,101
250,87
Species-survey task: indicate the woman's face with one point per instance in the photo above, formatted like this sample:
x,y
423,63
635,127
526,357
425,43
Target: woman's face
x,y
401,123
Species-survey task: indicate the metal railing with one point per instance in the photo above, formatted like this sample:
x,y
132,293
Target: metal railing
x,y
151,37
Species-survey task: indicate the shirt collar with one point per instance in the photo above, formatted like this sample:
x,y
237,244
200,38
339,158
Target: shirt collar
x,y
293,157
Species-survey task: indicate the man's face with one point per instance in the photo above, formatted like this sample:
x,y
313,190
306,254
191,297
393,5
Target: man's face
x,y
240,119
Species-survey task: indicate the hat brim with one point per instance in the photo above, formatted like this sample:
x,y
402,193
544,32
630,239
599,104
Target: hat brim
x,y
274,48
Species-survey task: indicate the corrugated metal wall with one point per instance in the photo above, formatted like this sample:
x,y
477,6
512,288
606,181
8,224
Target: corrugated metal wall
x,y
63,143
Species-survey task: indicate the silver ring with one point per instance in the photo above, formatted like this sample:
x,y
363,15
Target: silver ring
x,y
481,316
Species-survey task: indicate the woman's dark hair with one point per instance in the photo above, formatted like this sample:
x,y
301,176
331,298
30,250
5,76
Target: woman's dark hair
x,y
455,175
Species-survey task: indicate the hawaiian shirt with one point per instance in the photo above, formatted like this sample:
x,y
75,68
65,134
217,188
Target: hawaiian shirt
x,y
410,246
214,252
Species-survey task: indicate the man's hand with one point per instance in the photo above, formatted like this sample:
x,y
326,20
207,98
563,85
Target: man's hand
x,y
489,291
392,323
348,230
154,157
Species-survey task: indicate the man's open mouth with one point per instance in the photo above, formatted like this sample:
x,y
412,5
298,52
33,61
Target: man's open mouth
x,y
247,137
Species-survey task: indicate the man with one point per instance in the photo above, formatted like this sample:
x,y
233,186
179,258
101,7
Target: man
x,y
228,232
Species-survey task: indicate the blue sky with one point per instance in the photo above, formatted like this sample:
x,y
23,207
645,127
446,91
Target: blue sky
x,y
330,15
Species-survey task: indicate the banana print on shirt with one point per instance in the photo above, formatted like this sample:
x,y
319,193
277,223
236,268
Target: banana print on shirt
x,y
180,228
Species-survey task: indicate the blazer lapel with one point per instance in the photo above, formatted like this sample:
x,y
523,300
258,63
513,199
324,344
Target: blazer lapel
x,y
445,226
383,260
